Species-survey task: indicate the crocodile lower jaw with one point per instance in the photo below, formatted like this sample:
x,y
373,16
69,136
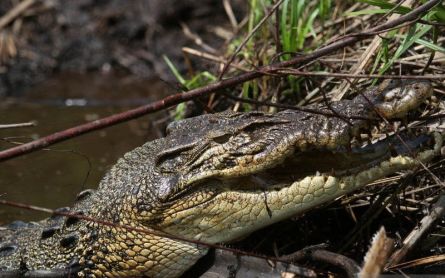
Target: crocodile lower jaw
x,y
258,205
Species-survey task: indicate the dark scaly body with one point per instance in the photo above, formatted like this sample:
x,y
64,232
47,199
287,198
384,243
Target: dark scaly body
x,y
206,181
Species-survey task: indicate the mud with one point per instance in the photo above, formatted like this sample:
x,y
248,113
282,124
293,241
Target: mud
x,y
127,37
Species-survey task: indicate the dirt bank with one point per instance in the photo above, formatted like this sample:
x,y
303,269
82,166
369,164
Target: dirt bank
x,y
54,36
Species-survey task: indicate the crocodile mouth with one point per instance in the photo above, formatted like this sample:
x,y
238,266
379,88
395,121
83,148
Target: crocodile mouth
x,y
340,162
344,162
301,182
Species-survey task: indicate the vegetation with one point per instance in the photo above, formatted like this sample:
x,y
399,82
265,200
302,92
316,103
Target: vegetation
x,y
301,26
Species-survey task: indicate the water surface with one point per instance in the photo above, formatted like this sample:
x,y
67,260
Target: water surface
x,y
52,177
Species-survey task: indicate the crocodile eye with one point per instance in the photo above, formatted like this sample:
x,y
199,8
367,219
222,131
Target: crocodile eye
x,y
170,162
222,139
390,96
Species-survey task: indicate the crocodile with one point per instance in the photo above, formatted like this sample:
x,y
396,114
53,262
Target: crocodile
x,y
216,178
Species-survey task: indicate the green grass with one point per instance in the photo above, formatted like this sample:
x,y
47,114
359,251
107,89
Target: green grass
x,y
385,6
416,34
199,80
298,22
297,32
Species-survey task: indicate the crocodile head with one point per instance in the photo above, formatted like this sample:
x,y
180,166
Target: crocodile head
x,y
249,170
218,177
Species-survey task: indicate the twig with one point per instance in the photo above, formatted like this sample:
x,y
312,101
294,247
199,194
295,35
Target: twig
x,y
15,12
302,109
28,124
247,38
373,212
392,10
149,231
418,262
230,14
358,76
433,52
196,38
229,264
211,57
414,237
278,45
348,265
222,84
365,58
426,22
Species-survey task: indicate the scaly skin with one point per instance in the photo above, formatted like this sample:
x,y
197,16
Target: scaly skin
x,y
213,178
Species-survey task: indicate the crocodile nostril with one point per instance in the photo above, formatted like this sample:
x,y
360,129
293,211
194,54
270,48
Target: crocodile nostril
x,y
7,249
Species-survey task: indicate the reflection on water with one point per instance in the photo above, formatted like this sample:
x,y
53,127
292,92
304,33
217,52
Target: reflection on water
x,y
52,178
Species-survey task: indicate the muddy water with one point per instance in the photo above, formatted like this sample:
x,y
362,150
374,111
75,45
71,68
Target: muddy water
x,y
52,178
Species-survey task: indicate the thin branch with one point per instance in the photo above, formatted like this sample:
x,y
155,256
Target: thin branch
x,y
28,124
348,265
356,76
426,22
436,213
230,14
278,45
243,43
433,52
365,58
419,262
391,11
211,57
196,38
302,109
149,231
15,12
211,88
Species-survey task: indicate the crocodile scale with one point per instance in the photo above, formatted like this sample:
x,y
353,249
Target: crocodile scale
x,y
213,178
